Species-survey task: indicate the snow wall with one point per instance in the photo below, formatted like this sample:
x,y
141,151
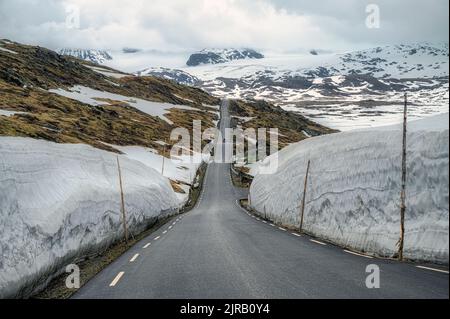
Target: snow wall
x,y
353,192
62,201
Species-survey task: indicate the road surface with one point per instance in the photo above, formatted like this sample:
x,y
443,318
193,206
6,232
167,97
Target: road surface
x,y
218,251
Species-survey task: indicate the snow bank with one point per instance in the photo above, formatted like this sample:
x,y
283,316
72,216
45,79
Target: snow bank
x,y
353,193
181,169
60,201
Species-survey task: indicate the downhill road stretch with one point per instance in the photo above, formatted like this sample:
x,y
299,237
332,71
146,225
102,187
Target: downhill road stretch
x,y
217,250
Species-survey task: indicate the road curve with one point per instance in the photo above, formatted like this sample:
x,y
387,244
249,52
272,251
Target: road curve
x,y
218,251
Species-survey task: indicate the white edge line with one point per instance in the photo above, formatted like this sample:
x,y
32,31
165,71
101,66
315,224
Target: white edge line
x,y
318,242
134,258
116,280
433,269
356,254
146,245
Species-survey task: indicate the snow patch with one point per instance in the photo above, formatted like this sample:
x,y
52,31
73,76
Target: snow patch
x,y
90,96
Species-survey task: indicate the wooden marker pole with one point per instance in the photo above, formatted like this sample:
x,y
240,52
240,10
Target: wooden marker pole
x,y
302,213
403,190
122,208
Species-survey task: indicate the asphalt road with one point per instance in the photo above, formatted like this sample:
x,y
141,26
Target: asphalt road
x,y
217,250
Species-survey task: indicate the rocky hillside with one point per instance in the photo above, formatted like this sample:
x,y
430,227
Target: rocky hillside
x,y
39,88
63,99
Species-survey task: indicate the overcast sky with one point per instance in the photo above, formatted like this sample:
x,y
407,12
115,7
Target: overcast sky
x,y
279,25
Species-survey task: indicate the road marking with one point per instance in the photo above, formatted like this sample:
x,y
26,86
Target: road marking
x,y
156,238
433,269
146,246
174,223
134,258
281,228
170,227
164,232
318,242
258,219
295,234
272,225
116,280
356,254
264,222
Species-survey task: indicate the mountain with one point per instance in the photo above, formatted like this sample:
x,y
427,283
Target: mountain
x,y
95,56
130,50
216,56
343,91
176,75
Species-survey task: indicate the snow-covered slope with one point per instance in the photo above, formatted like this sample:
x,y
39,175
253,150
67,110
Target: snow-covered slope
x,y
344,91
96,56
64,203
353,193
217,56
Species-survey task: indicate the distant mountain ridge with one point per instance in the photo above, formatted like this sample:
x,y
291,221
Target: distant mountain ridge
x,y
96,56
176,75
337,88
216,56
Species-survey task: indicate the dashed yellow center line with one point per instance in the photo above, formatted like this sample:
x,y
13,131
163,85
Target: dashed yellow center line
x,y
116,279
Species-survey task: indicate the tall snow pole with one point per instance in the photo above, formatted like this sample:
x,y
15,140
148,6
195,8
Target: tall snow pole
x,y
302,213
403,190
122,207
163,159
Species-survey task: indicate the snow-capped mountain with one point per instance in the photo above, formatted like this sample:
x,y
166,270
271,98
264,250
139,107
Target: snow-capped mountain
x,y
343,91
179,76
216,56
96,56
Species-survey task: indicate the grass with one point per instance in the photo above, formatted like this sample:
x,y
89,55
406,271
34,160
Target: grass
x,y
291,127
26,77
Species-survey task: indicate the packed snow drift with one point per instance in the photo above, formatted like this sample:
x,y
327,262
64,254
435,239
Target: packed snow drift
x,y
60,201
353,192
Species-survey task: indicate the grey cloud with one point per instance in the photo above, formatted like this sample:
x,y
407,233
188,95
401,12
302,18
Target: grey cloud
x,y
268,24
